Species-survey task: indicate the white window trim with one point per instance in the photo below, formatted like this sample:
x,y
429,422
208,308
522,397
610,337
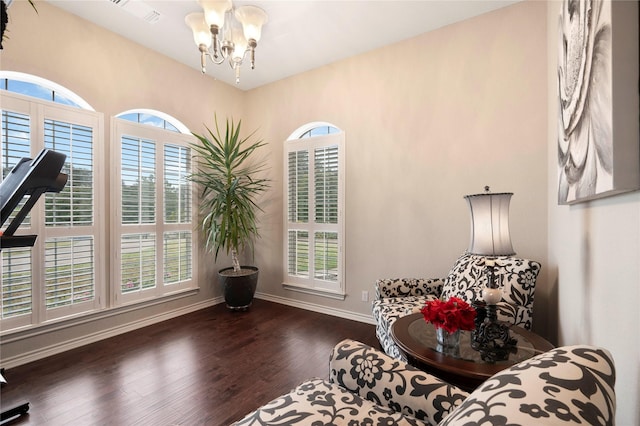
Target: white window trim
x,y
334,290
120,127
39,110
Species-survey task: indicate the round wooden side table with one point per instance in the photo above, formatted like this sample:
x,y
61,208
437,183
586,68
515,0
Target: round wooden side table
x,y
417,340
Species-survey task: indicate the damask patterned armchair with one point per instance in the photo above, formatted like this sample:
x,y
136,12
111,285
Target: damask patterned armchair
x,y
567,385
395,298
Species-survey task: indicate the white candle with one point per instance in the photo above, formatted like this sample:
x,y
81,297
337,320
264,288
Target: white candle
x,y
491,295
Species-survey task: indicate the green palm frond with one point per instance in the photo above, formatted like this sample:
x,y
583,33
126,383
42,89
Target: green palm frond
x,y
230,184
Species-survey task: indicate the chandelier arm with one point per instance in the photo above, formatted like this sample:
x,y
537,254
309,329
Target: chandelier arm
x,y
215,43
216,60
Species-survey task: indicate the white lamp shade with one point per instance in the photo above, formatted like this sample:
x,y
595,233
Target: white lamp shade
x,y
490,234
215,11
201,34
252,19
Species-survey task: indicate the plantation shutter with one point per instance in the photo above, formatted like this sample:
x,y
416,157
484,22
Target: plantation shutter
x,y
138,265
17,297
326,184
298,187
177,189
138,177
16,144
298,253
70,261
16,139
177,257
326,212
177,254
298,212
69,266
138,180
73,206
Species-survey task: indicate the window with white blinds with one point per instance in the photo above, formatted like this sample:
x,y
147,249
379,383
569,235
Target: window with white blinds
x,y
73,206
69,271
62,274
149,226
17,289
138,171
154,214
315,196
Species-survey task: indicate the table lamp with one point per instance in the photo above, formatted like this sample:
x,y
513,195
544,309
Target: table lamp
x,y
490,237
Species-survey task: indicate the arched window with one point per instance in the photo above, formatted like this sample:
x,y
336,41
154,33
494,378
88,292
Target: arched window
x,y
314,225
37,87
154,118
63,273
152,196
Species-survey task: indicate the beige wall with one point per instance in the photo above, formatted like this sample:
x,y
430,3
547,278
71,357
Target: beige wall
x,y
427,121
594,247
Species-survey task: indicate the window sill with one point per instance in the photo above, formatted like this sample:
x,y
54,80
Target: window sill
x,y
71,321
314,291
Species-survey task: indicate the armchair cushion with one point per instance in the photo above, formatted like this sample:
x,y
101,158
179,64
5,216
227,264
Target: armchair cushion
x,y
386,311
319,402
467,278
396,298
567,385
401,287
394,384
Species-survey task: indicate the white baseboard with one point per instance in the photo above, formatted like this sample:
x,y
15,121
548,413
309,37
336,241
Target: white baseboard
x,y
341,313
35,355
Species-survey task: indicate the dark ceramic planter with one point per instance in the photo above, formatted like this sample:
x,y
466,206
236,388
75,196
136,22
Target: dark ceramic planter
x,y
239,287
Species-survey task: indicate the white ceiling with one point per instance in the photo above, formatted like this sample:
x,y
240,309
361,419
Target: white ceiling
x,y
300,34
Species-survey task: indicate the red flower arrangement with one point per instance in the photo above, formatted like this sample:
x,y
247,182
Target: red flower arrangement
x,y
454,314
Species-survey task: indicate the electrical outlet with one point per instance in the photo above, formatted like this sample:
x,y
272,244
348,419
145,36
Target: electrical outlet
x,y
365,296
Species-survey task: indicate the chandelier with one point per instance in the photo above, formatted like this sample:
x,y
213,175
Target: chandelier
x,y
224,33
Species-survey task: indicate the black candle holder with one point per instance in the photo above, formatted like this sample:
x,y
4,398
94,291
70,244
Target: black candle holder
x,y
491,337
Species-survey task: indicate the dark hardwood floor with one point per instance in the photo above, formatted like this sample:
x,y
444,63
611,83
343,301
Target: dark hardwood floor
x,y
209,367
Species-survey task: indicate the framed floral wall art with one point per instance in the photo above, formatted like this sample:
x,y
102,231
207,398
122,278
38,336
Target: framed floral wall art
x,y
599,102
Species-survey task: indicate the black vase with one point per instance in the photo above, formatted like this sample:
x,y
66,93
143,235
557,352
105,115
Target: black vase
x,y
239,287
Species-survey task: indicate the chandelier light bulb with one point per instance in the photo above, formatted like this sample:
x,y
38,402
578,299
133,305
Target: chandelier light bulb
x,y
252,19
215,11
200,29
240,45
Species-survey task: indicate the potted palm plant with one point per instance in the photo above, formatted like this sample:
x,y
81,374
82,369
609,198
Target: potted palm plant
x,y
229,176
